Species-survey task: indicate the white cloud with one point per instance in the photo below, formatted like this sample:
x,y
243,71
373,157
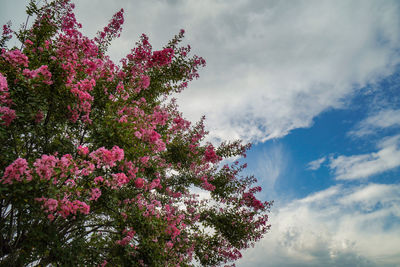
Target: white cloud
x,y
316,164
331,228
287,63
366,165
386,118
369,195
272,66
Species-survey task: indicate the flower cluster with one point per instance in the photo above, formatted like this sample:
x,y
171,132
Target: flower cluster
x,y
16,58
8,114
63,207
43,70
108,158
16,172
163,57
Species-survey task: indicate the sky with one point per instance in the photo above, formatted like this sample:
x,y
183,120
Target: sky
x,y
315,86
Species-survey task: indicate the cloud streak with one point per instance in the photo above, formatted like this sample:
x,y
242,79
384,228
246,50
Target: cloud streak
x,y
386,118
366,165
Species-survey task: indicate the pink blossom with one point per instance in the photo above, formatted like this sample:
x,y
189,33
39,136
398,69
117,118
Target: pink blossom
x,y
8,115
45,166
98,179
210,155
138,134
145,81
16,171
83,150
39,116
16,58
139,183
28,42
163,57
96,193
43,70
67,207
106,157
51,204
154,136
144,159
207,186
118,153
3,83
127,238
120,179
155,183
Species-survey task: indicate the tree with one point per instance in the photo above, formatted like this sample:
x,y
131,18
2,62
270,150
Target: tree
x,y
98,166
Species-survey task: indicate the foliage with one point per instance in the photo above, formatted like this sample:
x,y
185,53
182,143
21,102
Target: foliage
x,y
98,167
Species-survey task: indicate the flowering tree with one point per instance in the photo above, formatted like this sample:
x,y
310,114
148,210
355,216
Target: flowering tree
x,y
98,167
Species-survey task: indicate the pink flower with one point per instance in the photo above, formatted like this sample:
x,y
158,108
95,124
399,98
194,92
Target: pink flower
x,y
16,171
106,157
210,155
163,57
98,179
154,136
16,58
39,116
138,134
170,244
51,204
139,183
154,183
118,153
8,115
145,159
120,179
96,193
83,150
45,166
28,42
145,81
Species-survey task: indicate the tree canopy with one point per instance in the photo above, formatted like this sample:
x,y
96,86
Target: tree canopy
x,y
98,166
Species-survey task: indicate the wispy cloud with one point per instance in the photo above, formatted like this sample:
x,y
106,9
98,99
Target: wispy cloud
x,y
268,165
386,118
366,165
331,228
316,164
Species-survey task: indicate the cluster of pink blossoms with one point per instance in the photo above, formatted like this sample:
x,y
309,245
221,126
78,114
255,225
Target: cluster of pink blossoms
x,y
105,157
43,70
210,155
16,58
63,207
8,114
17,171
81,91
161,58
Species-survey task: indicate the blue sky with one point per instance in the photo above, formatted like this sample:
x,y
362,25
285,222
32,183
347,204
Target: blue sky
x,y
315,85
